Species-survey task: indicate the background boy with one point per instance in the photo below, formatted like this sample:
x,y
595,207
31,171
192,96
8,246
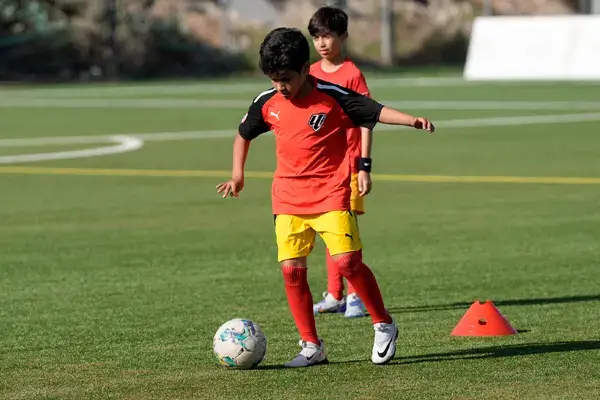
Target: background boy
x,y
328,28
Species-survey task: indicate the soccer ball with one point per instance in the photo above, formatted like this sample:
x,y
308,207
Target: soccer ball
x,y
240,343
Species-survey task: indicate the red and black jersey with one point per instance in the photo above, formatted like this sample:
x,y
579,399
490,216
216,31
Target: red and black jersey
x,y
313,167
349,76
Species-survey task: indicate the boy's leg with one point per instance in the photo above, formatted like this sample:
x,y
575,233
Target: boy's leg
x,y
365,284
340,233
335,280
357,205
297,290
386,331
333,300
354,305
295,240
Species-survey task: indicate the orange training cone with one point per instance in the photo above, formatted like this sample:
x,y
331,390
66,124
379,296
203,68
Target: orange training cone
x,y
483,319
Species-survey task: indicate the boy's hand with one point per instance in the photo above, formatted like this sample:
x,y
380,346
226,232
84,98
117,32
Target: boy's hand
x,y
231,188
424,123
364,183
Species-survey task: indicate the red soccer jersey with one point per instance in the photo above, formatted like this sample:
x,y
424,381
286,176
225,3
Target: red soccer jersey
x,y
349,76
313,171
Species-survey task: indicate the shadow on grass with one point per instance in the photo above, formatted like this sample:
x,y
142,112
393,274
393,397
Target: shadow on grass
x,y
280,366
503,351
479,353
510,302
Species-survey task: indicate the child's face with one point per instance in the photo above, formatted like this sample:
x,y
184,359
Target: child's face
x,y
289,83
329,45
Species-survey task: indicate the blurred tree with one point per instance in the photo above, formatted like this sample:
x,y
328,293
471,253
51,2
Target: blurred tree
x,y
93,39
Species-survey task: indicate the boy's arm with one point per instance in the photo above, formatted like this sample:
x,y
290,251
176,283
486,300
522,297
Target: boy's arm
x,y
366,112
366,142
364,172
359,85
240,153
252,125
235,185
391,116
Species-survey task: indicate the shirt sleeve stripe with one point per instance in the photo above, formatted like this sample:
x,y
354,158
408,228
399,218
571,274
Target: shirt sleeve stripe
x,y
263,94
321,86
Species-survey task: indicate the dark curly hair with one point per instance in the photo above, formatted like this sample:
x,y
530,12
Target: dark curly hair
x,y
328,20
283,50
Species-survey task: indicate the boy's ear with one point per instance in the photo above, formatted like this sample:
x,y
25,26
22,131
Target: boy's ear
x,y
306,68
344,37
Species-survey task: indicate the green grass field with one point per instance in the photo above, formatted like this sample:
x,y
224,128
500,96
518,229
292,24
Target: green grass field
x,y
116,270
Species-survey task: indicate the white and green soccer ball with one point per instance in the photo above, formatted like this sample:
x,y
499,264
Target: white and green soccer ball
x,y
240,343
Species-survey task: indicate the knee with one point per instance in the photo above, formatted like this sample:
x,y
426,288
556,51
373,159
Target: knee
x,y
350,263
294,272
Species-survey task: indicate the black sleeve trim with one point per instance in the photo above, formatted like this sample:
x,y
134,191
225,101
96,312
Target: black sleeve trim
x,y
253,123
362,110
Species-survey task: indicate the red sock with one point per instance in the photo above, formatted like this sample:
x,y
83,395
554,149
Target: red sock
x,y
300,302
335,280
350,285
351,288
363,280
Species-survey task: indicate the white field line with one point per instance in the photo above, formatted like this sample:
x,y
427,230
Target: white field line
x,y
46,141
233,86
444,124
229,133
116,103
230,86
134,141
123,144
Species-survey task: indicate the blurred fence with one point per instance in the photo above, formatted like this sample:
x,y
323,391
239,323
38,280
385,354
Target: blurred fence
x,y
141,39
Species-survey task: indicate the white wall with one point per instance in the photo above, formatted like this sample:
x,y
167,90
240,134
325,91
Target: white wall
x,y
534,48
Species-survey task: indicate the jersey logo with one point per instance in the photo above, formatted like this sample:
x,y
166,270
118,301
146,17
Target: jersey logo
x,y
276,115
316,121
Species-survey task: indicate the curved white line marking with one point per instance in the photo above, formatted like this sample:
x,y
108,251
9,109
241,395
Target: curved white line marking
x,y
54,140
124,144
134,141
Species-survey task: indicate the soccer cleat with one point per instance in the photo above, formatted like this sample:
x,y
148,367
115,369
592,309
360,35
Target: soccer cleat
x,y
311,354
384,347
354,306
329,304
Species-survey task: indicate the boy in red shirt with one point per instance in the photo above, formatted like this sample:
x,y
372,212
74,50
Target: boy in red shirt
x,y
311,184
329,30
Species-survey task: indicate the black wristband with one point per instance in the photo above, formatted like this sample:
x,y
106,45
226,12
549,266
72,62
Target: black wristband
x,y
364,164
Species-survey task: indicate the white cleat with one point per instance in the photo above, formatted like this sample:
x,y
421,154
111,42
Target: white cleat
x,y
311,354
354,306
384,347
329,304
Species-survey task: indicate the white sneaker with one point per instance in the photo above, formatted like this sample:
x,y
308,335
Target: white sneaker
x,y
384,347
329,304
354,306
311,354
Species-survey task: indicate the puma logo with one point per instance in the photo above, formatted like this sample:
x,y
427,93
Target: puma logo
x,y
276,115
349,235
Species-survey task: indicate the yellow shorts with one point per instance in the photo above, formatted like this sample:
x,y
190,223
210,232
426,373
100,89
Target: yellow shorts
x,y
296,233
357,202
